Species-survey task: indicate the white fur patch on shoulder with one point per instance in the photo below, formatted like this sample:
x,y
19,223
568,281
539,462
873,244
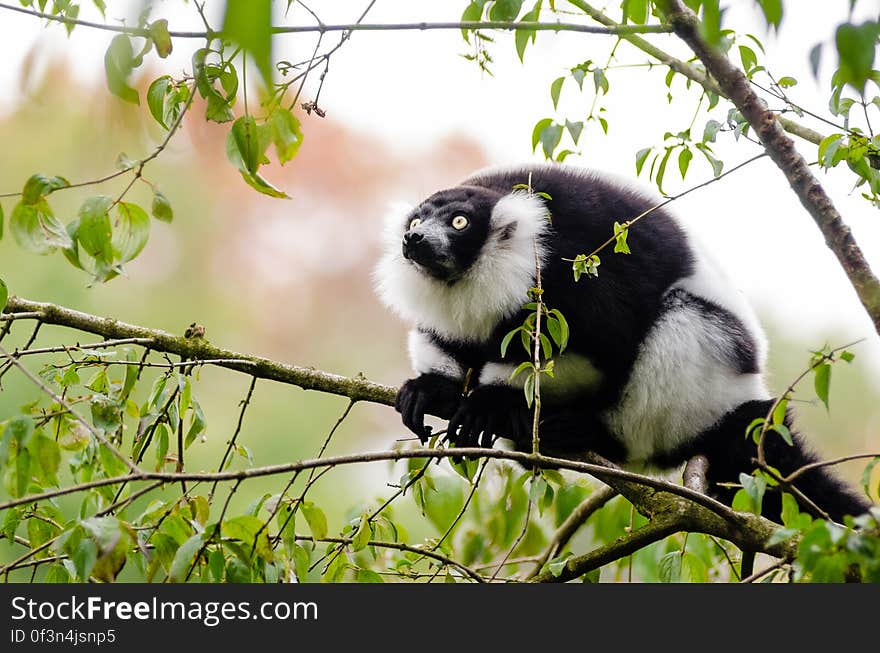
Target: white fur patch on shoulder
x,y
427,357
494,288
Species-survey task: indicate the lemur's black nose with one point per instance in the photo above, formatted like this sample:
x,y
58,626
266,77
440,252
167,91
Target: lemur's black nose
x,y
412,237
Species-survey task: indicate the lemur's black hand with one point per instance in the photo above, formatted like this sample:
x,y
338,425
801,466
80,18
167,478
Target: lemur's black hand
x,y
487,413
428,394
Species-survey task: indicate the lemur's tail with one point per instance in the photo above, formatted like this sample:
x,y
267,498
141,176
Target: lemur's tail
x,y
729,452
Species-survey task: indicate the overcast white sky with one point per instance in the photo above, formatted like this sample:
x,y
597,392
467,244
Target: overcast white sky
x,y
412,89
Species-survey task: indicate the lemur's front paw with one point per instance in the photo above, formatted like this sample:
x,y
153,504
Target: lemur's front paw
x,y
489,412
432,394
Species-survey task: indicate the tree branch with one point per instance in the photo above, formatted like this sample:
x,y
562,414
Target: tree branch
x,y
623,546
322,28
572,523
195,349
784,154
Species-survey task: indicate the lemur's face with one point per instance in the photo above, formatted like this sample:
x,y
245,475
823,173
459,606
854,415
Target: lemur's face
x,y
444,235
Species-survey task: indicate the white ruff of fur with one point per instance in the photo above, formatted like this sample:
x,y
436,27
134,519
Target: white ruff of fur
x,y
494,288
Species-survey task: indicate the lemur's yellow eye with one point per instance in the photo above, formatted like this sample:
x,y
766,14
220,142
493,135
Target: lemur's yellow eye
x,y
415,222
459,222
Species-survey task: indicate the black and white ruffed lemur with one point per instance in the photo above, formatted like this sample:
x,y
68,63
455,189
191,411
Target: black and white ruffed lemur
x,y
664,359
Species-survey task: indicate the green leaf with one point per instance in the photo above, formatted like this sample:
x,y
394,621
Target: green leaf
x,y
247,529
754,487
555,90
255,181
471,14
185,557
635,11
38,186
132,233
119,61
249,24
815,59
790,510
246,144
600,81
787,82
748,58
301,562
83,553
22,472
161,446
505,342
368,576
620,234
710,131
362,536
95,233
641,156
505,10
782,430
160,37
335,571
550,137
684,160
197,426
4,294
286,134
218,108
316,519
575,129
564,331
669,568
156,98
521,38
36,229
855,49
779,411
105,414
866,475
822,382
161,207
45,452
538,130
772,11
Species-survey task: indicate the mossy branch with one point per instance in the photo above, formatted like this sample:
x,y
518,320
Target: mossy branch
x,y
195,349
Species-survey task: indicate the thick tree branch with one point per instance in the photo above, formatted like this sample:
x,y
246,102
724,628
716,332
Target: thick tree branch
x,y
195,349
623,546
688,70
572,523
784,154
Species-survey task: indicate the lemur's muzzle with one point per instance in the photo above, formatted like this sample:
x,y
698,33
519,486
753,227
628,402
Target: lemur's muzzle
x,y
421,249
